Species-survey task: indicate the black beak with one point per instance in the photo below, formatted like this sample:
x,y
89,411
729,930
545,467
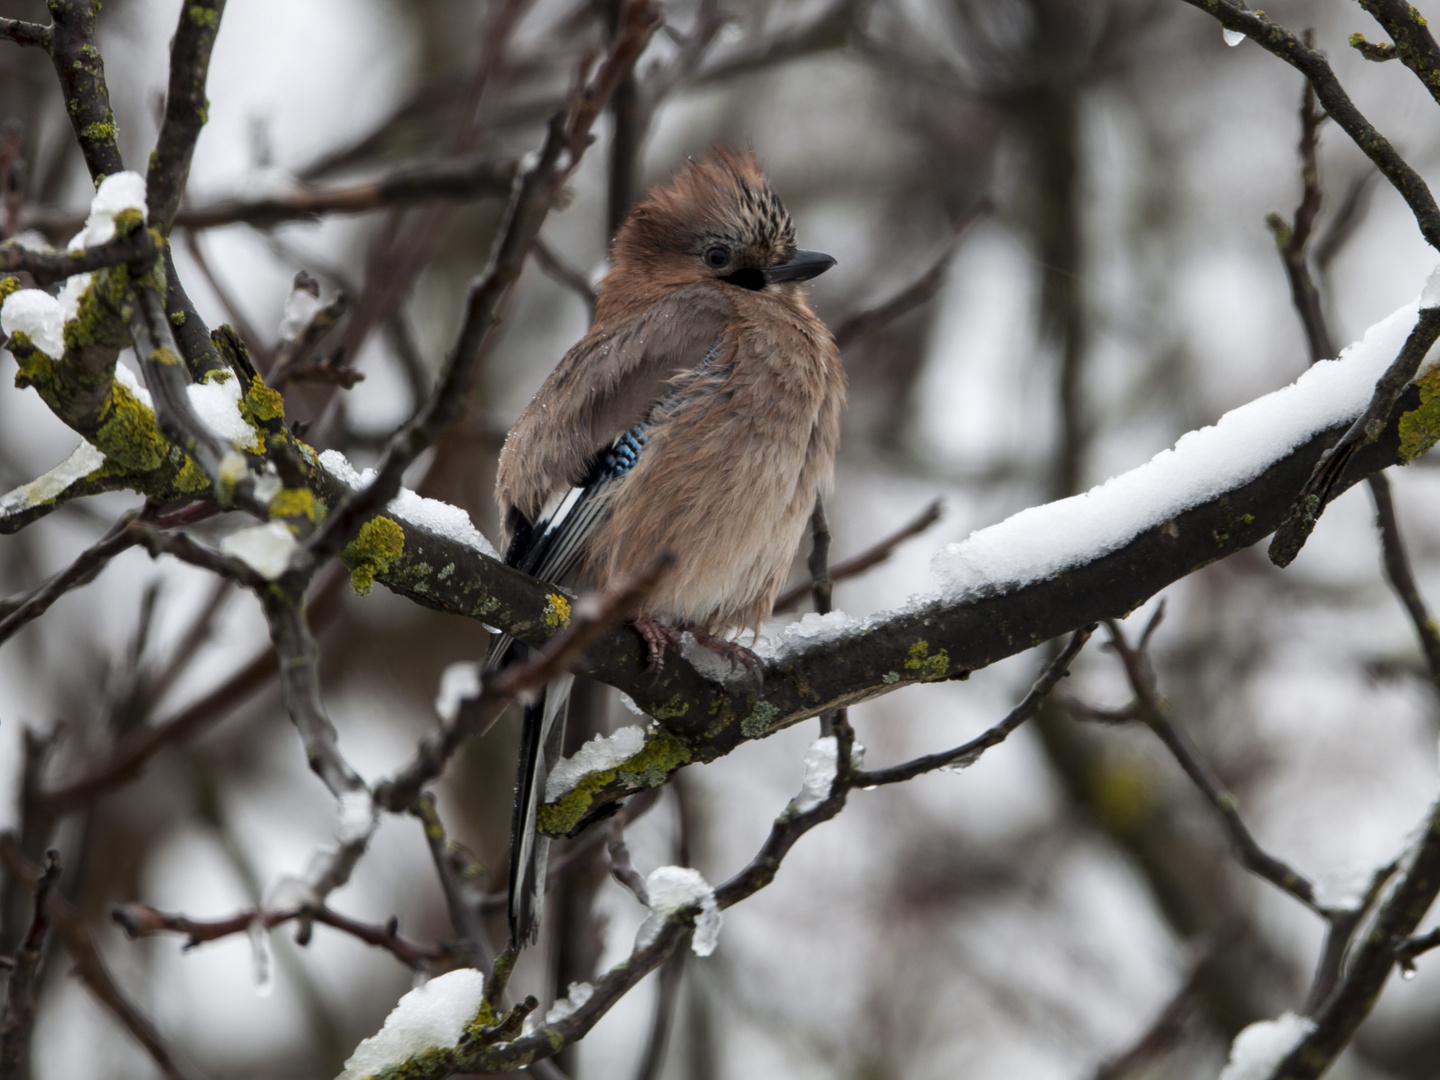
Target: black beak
x,y
803,266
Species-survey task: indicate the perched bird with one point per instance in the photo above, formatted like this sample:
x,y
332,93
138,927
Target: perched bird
x,y
699,417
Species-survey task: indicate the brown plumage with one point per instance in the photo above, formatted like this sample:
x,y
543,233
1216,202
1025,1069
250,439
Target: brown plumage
x,y
699,416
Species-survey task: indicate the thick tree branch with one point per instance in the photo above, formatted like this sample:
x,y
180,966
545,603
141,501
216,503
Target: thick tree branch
x,y
186,108
50,266
1414,45
82,79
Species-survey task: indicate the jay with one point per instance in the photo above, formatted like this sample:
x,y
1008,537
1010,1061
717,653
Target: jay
x,y
699,416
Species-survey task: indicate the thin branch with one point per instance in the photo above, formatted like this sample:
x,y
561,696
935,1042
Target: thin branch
x,y
1166,1029
591,617
142,920
621,868
49,266
920,290
186,108
968,753
556,267
1414,45
464,913
872,556
82,80
1416,946
25,33
1368,426
16,613
1312,64
19,1015
1402,578
1154,713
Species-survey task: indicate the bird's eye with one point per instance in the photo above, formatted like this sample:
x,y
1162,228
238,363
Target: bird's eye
x,y
716,257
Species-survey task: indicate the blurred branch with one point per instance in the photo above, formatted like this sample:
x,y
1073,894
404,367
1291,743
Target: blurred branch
x,y
142,920
968,753
233,311
1402,578
831,30
557,268
91,969
464,913
916,293
872,556
1166,1030
19,1014
621,868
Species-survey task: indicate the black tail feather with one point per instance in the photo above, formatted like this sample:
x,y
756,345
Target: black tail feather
x,y
541,739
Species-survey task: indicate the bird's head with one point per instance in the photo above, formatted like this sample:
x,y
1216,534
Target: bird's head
x,y
718,219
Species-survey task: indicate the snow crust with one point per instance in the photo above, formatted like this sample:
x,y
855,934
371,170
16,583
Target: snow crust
x,y
600,753
432,515
127,378
1262,1046
671,889
1232,37
821,765
1344,889
457,683
266,549
83,460
37,314
578,994
217,404
1043,541
356,818
429,1017
813,629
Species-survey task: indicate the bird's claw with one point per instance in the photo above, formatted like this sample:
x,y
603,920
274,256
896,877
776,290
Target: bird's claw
x,y
657,636
729,650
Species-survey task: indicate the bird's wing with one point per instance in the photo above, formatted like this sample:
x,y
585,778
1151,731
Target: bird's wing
x,y
598,391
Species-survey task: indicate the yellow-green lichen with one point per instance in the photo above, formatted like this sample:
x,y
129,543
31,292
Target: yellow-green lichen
x,y
129,436
648,767
557,611
96,315
98,130
178,318
1420,428
445,571
924,665
380,542
300,502
890,678
1120,792
203,16
673,709
1247,519
261,403
191,480
9,285
757,724
128,220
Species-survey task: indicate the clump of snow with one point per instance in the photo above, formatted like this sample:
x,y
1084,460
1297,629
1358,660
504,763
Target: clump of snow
x,y
1344,889
1043,541
821,764
70,293
600,753
1430,295
266,549
458,682
1260,1047
578,994
261,960
84,460
290,893
128,379
1232,37
432,515
429,1017
357,816
300,308
38,315
117,192
813,629
217,404
672,889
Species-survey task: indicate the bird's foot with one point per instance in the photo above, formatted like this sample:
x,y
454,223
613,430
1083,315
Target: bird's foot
x,y
657,635
729,650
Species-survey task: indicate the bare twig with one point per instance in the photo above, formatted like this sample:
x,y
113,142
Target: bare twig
x,y
968,753
873,556
464,912
1155,715
1402,578
621,868
1166,1029
25,33
142,920
557,268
